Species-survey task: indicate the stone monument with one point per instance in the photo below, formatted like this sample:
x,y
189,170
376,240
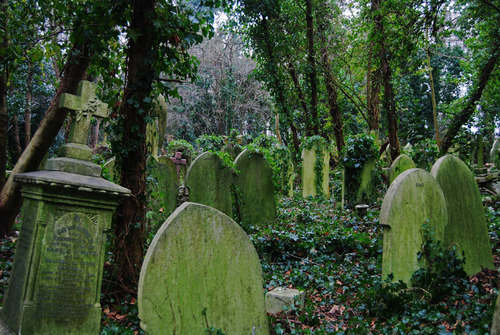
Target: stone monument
x,y
209,183
201,271
309,174
402,163
56,278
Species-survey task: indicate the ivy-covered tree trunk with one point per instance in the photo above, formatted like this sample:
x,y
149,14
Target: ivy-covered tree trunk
x,y
130,215
311,58
3,97
33,154
372,92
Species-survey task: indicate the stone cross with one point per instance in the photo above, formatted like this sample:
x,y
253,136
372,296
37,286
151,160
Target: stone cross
x,y
178,161
84,105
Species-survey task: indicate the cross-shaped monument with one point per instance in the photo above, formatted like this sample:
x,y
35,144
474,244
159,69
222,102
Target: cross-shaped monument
x,y
75,156
82,106
178,161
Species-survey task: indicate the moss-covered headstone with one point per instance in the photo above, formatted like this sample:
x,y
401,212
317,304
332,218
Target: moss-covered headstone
x,y
201,271
413,199
315,172
401,163
254,189
162,188
209,183
466,227
56,277
495,153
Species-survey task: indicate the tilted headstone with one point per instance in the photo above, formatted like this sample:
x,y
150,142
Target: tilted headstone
x,y
466,227
495,153
209,183
162,188
201,271
413,199
401,164
56,277
254,188
309,175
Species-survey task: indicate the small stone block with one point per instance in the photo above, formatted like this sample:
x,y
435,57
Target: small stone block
x,y
281,297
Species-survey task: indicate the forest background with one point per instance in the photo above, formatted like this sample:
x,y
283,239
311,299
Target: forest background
x,y
418,72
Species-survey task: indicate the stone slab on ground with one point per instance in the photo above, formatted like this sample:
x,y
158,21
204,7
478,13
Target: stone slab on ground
x,y
281,297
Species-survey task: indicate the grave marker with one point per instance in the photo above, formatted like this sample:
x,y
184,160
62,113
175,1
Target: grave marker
x,y
466,227
179,162
495,153
254,188
209,183
162,188
56,277
413,199
201,271
401,163
309,173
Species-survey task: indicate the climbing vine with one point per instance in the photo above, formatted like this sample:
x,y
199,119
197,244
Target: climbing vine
x,y
321,146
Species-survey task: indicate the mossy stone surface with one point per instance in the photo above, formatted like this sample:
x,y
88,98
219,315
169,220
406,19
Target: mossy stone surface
x,y
209,183
413,199
401,164
254,188
466,227
162,188
495,153
201,271
309,173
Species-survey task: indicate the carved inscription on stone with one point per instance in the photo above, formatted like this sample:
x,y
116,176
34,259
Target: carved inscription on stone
x,y
68,273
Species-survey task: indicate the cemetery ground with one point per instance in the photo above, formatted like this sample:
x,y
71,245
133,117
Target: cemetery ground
x,y
336,256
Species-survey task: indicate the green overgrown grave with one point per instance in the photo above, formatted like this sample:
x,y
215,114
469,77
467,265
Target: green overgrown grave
x,y
201,272
361,177
401,163
315,167
256,202
413,199
466,227
209,182
284,164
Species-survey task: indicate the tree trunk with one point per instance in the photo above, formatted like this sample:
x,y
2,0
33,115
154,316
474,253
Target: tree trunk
x,y
32,156
433,93
130,215
14,140
3,97
372,92
28,103
302,99
311,58
465,114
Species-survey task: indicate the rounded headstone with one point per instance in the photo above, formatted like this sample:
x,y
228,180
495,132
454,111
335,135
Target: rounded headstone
x,y
413,199
401,164
201,271
162,187
466,227
209,182
254,188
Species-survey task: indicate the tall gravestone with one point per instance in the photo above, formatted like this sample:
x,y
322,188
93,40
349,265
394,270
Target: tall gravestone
x,y
254,188
413,199
401,164
201,271
495,153
162,188
466,227
56,277
209,183
309,174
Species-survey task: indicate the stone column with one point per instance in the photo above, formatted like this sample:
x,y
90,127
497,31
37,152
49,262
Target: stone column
x,y
55,284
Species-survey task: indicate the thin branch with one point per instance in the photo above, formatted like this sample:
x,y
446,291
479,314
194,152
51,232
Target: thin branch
x,y
486,2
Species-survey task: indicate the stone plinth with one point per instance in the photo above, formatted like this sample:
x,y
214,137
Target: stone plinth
x,y
281,297
56,277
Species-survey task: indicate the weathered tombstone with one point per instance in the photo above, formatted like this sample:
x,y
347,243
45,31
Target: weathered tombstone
x,y
401,163
56,277
162,188
495,324
413,199
180,164
495,153
310,184
480,169
254,188
109,168
209,183
466,227
284,168
201,271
